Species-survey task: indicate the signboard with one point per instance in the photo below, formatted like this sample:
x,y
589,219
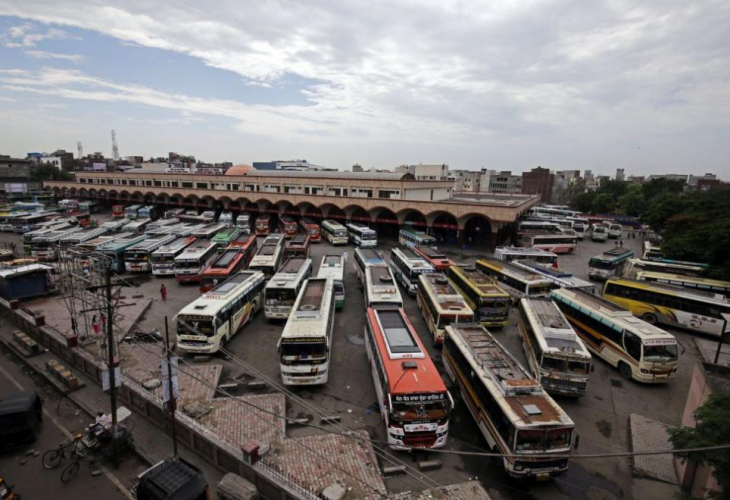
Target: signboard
x,y
16,188
418,398
98,167
117,378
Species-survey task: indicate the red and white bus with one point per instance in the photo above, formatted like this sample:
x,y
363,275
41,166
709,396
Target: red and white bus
x,y
191,263
229,263
118,211
287,226
555,243
263,225
311,228
298,246
248,245
434,257
413,398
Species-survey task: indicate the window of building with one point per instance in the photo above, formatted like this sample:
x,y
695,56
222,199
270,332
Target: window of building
x,y
173,184
388,193
201,185
233,187
132,182
158,183
187,185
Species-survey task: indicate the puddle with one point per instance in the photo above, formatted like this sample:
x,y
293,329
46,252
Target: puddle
x,y
356,339
605,428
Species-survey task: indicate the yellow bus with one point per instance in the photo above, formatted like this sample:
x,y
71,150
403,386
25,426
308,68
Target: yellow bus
x,y
441,304
490,303
688,282
656,303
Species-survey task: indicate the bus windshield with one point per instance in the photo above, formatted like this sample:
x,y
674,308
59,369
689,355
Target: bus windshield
x,y
162,258
298,349
195,326
189,264
410,411
600,264
369,235
660,353
564,366
539,440
283,296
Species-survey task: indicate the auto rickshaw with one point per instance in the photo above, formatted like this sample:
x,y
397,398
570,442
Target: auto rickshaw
x,y
6,492
173,479
21,414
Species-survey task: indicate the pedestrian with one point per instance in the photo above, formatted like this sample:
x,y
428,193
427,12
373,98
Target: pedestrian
x,y
163,293
95,325
615,243
622,243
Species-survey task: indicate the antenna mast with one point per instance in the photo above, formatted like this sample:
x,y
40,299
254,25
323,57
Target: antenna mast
x,y
115,148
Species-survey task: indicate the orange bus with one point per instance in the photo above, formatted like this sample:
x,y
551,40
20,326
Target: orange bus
x,y
263,225
118,211
230,262
310,227
287,226
248,245
434,257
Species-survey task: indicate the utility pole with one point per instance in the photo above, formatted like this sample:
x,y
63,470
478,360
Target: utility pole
x,y
111,365
172,402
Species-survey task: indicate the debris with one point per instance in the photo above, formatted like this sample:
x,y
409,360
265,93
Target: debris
x,y
29,453
152,383
394,470
196,410
429,465
333,492
332,419
96,472
200,359
24,461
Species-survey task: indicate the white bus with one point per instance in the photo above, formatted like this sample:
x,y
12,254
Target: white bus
x,y
539,227
441,305
305,346
226,218
269,256
367,257
381,290
212,319
519,282
334,232
509,254
116,225
361,235
283,289
333,267
615,230
207,231
137,226
191,263
407,265
661,266
137,258
555,353
559,278
244,222
555,243
131,212
28,237
651,251
160,223
410,238
611,263
45,246
163,259
79,237
639,350
517,417
553,211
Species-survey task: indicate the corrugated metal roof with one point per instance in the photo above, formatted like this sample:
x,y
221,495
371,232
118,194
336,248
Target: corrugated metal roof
x,y
385,176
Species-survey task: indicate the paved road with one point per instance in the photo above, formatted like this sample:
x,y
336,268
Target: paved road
x,y
31,480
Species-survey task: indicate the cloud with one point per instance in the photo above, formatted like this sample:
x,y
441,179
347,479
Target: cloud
x,y
25,35
480,79
41,54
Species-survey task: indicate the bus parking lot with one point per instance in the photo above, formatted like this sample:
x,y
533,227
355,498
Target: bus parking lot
x,y
601,416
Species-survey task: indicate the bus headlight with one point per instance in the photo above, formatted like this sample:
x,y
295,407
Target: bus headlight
x,y
518,467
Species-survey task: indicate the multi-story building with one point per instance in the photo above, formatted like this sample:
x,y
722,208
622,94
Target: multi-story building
x,y
620,174
15,175
59,159
466,181
588,175
694,179
505,183
425,172
293,165
636,179
540,181
562,182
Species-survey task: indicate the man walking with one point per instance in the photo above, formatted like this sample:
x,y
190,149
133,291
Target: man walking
x,y
163,293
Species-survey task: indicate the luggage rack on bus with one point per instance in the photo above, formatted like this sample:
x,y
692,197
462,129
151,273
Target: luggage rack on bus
x,y
397,336
332,261
312,295
226,258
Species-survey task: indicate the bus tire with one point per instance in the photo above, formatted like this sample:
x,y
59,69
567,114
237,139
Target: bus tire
x,y
650,318
625,370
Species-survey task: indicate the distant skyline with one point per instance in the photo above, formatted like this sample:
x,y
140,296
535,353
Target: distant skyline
x,y
505,85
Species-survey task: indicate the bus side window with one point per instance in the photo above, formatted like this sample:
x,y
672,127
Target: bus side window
x,y
632,344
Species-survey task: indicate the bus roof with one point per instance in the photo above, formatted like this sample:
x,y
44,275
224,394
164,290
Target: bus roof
x,y
135,224
226,233
298,240
678,277
196,250
606,310
523,251
213,301
513,271
269,246
331,260
293,270
370,255
210,228
382,283
84,235
483,284
430,252
56,235
244,240
444,292
333,224
150,243
121,243
226,258
408,367
614,255
311,297
523,399
707,297
176,244
555,333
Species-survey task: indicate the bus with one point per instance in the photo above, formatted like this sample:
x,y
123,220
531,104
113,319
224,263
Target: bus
x,y
117,249
79,237
131,212
191,263
332,266
305,346
28,237
118,211
263,225
611,263
539,227
225,236
517,417
31,221
283,289
115,226
160,223
554,212
173,213
297,246
688,282
367,257
558,277
335,233
441,305
640,351
6,220
416,407
248,245
224,266
45,246
243,221
137,258
163,259
655,303
381,290
664,266
269,255
137,226
310,227
555,354
651,251
555,243
287,226
483,295
599,233
361,236
212,319
509,254
433,256
226,218
409,238
517,281
92,244
407,265
208,231
148,212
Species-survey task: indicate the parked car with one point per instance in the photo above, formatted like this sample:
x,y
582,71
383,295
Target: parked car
x,y
599,233
21,415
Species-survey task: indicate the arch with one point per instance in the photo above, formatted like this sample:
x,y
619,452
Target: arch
x,y
412,218
307,209
285,207
191,201
73,191
251,208
124,195
385,222
57,191
102,193
332,211
176,200
476,232
206,202
225,202
93,193
358,214
444,227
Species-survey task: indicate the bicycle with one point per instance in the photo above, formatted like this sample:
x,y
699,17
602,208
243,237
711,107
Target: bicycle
x,y
52,458
68,473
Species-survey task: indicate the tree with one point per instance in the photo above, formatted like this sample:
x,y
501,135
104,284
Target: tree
x,y
663,207
633,202
604,203
583,201
713,428
49,172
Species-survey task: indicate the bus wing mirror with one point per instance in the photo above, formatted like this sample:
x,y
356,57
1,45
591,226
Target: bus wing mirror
x,y
593,367
576,441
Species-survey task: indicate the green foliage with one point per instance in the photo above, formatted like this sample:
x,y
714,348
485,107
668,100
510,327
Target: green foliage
x,y
583,202
48,172
634,202
604,203
713,428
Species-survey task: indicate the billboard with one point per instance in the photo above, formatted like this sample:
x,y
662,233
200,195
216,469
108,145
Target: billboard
x,y
99,167
16,188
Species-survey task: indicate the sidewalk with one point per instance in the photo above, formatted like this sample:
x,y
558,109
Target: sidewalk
x,y
151,444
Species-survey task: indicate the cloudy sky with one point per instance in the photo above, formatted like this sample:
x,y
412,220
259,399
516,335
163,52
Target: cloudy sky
x,y
507,84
